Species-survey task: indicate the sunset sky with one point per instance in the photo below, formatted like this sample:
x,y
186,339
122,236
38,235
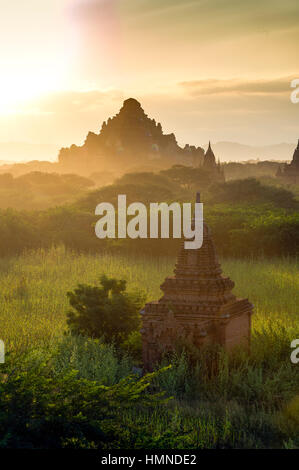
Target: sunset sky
x,y
215,70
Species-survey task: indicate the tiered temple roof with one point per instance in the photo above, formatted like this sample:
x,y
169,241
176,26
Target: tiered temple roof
x,y
131,137
197,305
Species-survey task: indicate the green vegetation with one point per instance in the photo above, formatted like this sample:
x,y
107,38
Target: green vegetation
x,y
77,390
241,401
37,190
247,218
246,169
107,311
252,191
44,408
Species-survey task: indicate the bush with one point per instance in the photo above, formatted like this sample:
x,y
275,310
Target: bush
x,y
133,345
39,409
107,311
92,359
251,190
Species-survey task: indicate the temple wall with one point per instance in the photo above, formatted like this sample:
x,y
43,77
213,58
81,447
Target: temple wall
x,y
237,331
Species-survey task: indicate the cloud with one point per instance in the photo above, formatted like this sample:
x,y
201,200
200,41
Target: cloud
x,y
237,86
65,118
65,102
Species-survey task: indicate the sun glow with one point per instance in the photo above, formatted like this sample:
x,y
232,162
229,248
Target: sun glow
x,y
23,83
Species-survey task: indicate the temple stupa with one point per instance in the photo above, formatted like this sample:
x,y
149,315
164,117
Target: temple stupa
x,y
198,305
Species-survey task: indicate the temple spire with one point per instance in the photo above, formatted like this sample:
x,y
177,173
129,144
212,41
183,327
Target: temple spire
x,y
209,158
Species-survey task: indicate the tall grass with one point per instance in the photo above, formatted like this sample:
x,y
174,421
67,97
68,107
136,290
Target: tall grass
x,y
251,402
33,286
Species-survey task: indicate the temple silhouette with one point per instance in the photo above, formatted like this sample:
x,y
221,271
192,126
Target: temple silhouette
x,y
289,173
209,163
198,306
131,139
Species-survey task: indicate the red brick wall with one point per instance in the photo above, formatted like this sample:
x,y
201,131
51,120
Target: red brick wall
x,y
237,331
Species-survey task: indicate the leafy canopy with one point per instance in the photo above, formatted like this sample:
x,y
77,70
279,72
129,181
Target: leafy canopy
x,y
107,310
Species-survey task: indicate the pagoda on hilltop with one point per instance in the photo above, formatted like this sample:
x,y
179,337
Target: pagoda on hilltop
x,y
290,172
198,306
209,163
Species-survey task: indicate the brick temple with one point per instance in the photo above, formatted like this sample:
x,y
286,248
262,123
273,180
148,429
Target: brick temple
x,y
198,306
290,171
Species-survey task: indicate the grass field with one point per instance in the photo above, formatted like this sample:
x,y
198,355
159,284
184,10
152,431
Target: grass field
x,y
250,403
33,289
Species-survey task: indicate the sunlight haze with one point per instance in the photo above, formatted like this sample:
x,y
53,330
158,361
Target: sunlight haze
x,y
206,69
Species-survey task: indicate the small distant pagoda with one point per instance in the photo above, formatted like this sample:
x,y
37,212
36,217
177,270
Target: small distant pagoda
x,y
209,164
197,306
290,172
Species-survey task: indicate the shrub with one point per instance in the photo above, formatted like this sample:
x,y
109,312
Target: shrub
x,y
39,409
92,359
107,311
133,345
251,190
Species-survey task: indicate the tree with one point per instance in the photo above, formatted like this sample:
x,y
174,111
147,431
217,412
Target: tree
x,y
107,311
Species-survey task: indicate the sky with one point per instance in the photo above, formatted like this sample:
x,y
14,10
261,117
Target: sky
x,y
216,70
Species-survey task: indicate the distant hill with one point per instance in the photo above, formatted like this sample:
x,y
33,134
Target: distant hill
x,y
233,151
